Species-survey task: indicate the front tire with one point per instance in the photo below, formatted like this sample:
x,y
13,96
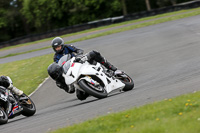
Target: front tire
x,y
29,108
93,90
3,116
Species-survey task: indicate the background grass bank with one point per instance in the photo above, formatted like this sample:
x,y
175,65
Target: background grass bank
x,y
27,74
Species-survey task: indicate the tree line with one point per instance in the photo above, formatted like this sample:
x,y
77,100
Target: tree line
x,y
23,17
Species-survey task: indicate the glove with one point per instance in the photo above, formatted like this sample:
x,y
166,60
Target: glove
x,y
81,59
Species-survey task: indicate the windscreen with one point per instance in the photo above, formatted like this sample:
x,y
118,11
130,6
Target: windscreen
x,y
65,62
66,66
65,58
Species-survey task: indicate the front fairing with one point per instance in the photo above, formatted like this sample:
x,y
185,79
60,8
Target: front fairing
x,y
110,83
73,70
78,70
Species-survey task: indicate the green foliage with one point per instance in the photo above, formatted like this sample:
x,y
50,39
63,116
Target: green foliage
x,y
46,15
41,13
3,21
11,24
23,17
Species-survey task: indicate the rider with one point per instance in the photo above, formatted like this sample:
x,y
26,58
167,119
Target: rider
x,y
6,82
55,71
62,49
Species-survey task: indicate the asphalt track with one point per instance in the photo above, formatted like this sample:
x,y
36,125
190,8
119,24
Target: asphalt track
x,y
163,60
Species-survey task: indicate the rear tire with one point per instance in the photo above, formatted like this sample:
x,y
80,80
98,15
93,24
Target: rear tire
x,y
90,89
3,116
29,108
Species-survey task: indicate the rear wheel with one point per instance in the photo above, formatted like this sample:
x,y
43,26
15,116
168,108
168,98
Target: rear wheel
x,y
127,80
29,108
3,116
97,91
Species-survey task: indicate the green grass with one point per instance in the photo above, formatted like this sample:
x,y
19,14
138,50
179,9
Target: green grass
x,y
177,115
27,74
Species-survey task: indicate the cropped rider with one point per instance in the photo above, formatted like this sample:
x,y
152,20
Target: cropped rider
x,y
55,71
6,82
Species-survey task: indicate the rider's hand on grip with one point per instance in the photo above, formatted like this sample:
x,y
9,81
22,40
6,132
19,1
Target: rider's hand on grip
x,y
77,58
81,59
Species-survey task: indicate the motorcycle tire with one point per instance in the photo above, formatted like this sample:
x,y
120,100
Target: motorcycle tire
x,y
127,80
88,88
28,109
3,116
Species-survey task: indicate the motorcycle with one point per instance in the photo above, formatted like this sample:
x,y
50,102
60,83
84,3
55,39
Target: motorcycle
x,y
12,105
93,78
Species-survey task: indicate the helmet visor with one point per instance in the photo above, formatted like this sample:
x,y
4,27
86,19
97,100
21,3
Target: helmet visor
x,y
58,48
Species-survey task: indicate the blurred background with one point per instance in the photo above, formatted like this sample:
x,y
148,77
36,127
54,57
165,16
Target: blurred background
x,y
19,18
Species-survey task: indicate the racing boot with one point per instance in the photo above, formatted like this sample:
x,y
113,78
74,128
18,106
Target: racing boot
x,y
68,89
108,65
71,89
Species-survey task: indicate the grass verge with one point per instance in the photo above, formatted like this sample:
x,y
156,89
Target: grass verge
x,y
177,115
27,74
9,55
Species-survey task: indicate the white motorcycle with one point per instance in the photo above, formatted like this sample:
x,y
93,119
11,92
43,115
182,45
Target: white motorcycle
x,y
94,79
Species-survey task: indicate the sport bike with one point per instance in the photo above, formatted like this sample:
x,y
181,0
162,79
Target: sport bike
x,y
12,105
93,78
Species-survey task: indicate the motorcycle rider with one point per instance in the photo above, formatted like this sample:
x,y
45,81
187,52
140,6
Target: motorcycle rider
x,y
55,71
62,49
6,82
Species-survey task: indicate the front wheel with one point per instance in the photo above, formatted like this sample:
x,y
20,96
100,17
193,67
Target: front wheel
x,y
97,91
3,117
127,80
29,108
